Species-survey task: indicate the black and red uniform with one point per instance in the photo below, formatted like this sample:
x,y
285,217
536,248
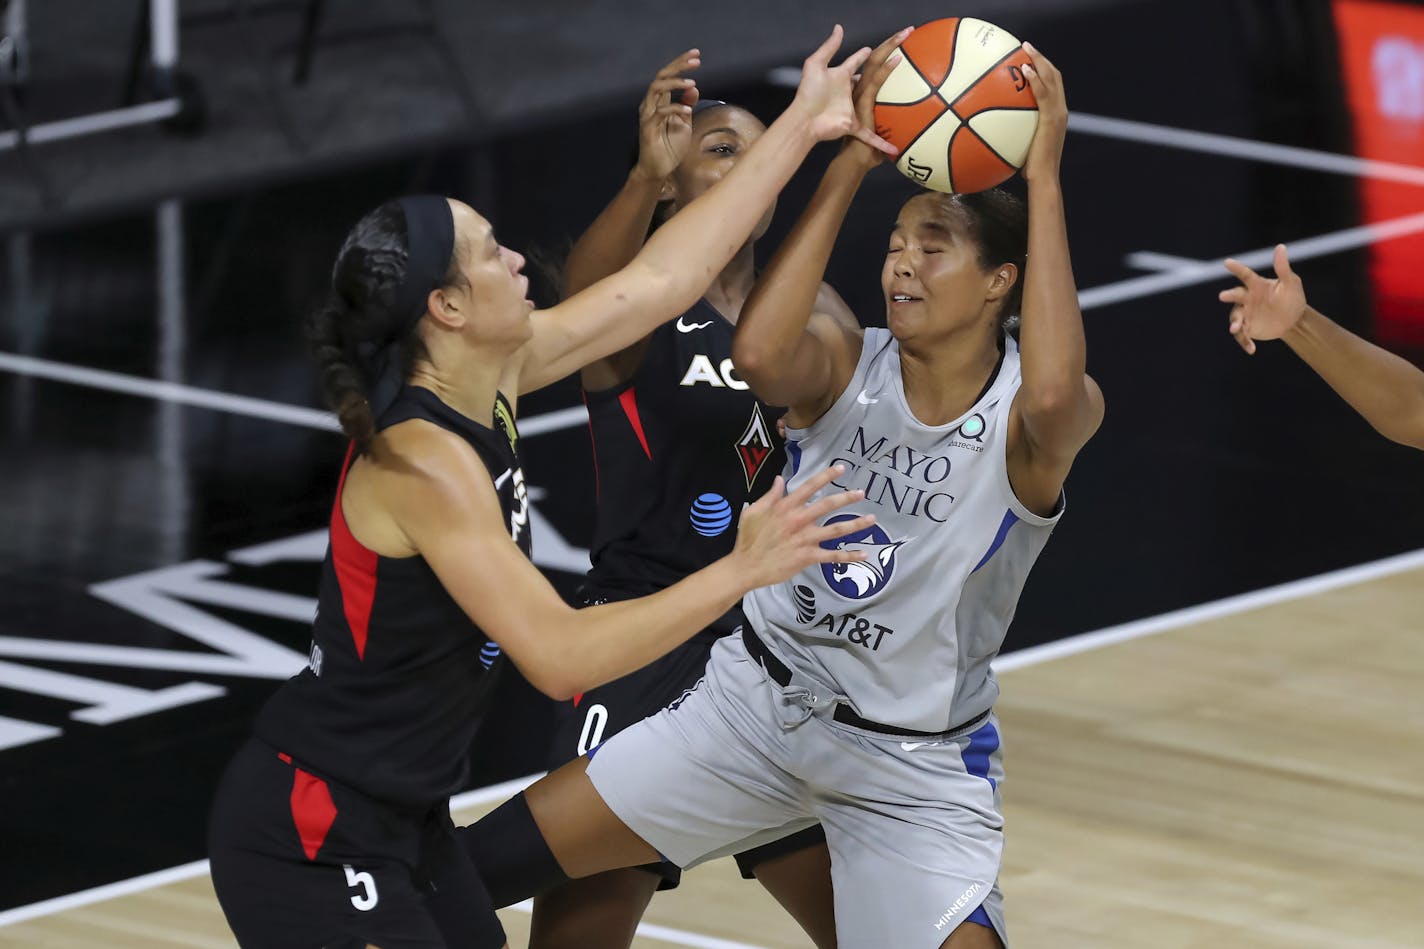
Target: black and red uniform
x,y
679,448
331,819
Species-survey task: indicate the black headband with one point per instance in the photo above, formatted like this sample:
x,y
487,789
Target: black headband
x,y
430,242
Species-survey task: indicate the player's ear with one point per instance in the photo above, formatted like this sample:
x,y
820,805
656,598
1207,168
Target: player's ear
x,y
1002,280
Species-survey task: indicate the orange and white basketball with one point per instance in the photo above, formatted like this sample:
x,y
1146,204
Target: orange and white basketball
x,y
958,105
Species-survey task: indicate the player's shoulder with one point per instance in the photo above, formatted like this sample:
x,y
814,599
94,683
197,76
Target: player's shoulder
x,y
417,461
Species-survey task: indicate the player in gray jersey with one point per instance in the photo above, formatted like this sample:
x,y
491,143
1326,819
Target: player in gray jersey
x,y
861,696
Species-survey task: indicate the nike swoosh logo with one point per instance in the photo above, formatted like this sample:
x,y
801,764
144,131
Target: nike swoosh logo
x,y
912,745
864,399
688,328
502,478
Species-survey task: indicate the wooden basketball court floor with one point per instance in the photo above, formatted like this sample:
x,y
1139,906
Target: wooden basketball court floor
x,y
1248,773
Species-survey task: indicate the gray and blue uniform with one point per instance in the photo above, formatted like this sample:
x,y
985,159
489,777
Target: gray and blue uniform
x,y
860,694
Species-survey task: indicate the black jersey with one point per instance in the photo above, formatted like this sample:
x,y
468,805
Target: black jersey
x,y
398,674
679,448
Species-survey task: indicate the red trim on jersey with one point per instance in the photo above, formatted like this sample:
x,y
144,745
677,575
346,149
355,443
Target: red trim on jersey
x,y
629,401
286,758
355,568
313,811
597,484
577,699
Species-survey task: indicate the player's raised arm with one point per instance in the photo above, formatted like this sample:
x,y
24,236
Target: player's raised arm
x,y
443,503
659,283
1384,388
789,352
664,135
1058,407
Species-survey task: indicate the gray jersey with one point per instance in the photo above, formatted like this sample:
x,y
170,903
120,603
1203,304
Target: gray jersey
x,y
906,636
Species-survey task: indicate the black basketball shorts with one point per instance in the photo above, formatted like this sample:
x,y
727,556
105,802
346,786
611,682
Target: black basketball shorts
x,y
299,862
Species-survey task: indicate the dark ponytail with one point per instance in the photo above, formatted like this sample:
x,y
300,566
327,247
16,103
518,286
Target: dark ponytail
x,y
362,313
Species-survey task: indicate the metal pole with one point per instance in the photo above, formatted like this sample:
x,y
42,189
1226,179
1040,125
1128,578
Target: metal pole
x,y
170,441
163,22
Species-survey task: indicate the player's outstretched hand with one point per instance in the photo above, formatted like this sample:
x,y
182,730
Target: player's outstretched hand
x,y
824,95
781,534
1262,308
882,62
665,126
1045,153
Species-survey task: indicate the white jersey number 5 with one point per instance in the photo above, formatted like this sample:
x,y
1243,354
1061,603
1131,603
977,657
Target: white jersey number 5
x,y
367,899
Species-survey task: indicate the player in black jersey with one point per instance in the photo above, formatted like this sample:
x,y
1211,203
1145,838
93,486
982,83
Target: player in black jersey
x,y
332,820
680,442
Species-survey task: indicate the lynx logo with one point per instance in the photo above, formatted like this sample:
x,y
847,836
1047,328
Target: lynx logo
x,y
805,599
864,578
702,370
754,447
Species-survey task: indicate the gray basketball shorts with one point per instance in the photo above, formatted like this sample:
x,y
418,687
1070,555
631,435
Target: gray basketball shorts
x,y
914,826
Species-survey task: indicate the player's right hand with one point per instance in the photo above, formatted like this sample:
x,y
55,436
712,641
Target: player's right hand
x,y
665,126
824,95
882,62
781,534
1262,308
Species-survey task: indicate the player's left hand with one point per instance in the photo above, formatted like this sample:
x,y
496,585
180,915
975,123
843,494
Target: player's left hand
x,y
824,95
1046,151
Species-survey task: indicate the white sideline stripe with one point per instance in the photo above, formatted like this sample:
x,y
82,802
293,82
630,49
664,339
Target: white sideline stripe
x,y
1073,645
1216,609
226,402
1151,260
1150,133
1204,272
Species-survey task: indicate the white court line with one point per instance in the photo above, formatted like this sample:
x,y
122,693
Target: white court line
x,y
1072,645
1226,145
226,402
1216,609
1135,288
1151,260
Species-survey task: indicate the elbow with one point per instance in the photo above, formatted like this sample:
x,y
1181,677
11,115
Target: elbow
x,y
558,684
1053,402
746,358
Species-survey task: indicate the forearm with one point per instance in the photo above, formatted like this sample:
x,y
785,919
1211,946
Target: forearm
x,y
1053,349
694,246
773,320
1384,388
605,642
616,235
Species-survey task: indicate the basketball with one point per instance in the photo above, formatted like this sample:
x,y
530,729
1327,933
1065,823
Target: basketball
x,y
958,105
